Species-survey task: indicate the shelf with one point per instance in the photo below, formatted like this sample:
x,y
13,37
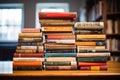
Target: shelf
x,y
113,69
113,13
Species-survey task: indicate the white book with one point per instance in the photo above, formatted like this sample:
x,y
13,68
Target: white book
x,y
28,59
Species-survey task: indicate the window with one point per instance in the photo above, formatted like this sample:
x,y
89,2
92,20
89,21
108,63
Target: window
x,y
50,7
11,19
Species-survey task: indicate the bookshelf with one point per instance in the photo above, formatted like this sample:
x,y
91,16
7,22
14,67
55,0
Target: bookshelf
x,y
107,11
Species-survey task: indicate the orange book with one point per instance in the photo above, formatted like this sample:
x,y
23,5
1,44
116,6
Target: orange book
x,y
27,63
91,64
93,36
30,35
30,30
57,29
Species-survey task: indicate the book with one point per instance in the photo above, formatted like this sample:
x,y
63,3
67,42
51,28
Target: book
x,y
70,41
30,35
30,40
100,54
90,43
60,63
60,51
82,50
17,68
49,37
57,24
26,51
60,67
57,29
92,64
89,25
88,36
91,47
63,15
93,68
29,43
93,59
26,59
27,63
27,47
30,30
28,55
88,31
54,59
60,54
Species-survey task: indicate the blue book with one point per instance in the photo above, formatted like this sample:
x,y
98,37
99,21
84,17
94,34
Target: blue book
x,y
60,55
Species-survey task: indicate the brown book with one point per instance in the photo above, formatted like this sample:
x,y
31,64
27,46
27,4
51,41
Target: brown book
x,y
30,35
30,39
27,63
28,55
25,51
90,43
57,24
60,67
94,36
57,29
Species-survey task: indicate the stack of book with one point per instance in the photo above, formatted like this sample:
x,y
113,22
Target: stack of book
x,y
29,52
60,53
91,46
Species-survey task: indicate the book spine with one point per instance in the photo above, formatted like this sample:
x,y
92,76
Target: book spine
x,y
61,63
28,55
30,40
92,59
54,59
90,43
58,24
28,59
61,41
27,63
61,37
30,44
101,36
93,54
26,51
30,35
91,64
61,68
30,30
57,29
27,47
88,32
17,68
60,55
60,51
57,15
93,68
91,47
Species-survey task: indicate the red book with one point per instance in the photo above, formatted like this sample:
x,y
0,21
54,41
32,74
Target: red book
x,y
91,64
29,55
30,30
60,36
72,15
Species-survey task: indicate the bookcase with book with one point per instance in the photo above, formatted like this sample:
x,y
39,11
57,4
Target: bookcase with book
x,y
109,12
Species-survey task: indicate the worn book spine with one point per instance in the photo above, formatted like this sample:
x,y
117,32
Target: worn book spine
x,y
27,47
57,24
82,50
88,32
30,30
54,59
30,40
30,44
28,59
60,54
57,29
93,68
60,51
91,47
92,64
88,36
60,67
28,55
60,37
61,63
61,41
100,54
26,51
55,20
27,63
30,35
44,15
92,59
24,68
90,43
